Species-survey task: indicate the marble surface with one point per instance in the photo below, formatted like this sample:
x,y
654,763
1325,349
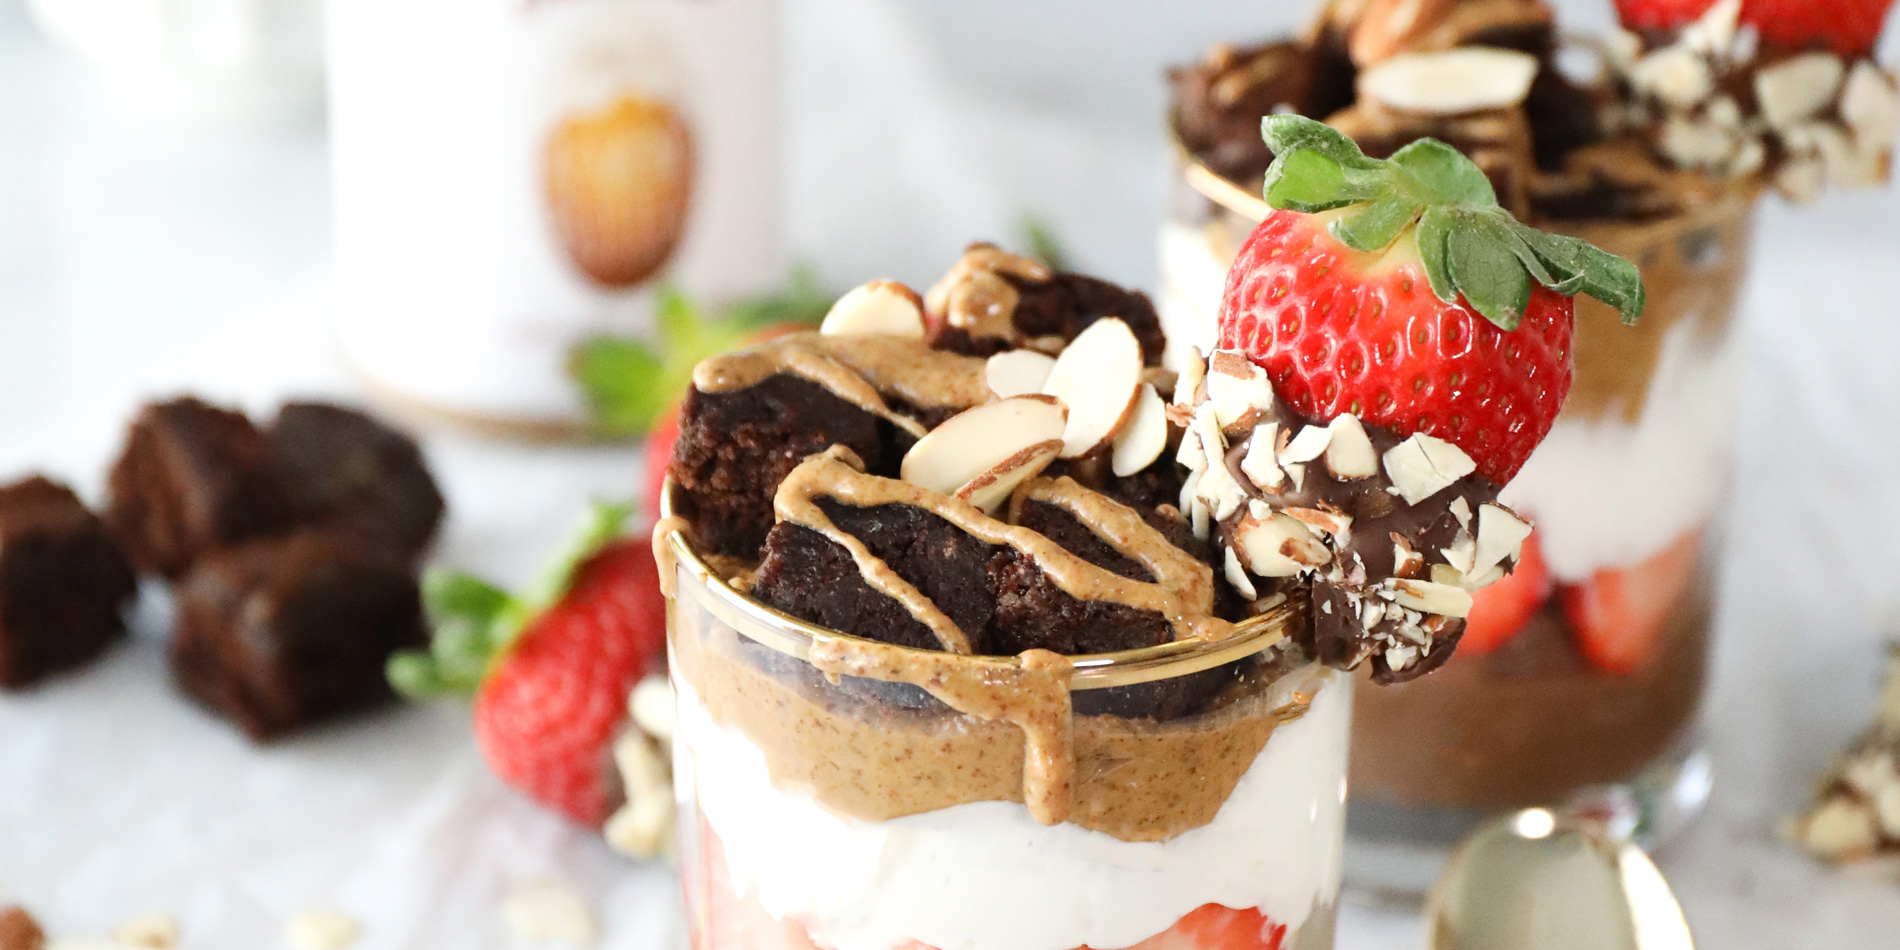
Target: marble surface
x,y
140,258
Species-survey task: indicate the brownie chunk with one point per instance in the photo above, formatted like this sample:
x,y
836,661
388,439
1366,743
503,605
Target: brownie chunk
x,y
193,478
64,583
1219,101
347,470
1064,306
284,633
735,448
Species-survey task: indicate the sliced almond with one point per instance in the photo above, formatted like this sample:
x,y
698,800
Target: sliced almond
x,y
1798,88
1237,576
1454,82
1278,547
1461,510
1461,553
1187,389
879,308
1190,454
1841,829
1309,444
1423,465
1406,561
1350,454
1676,75
1237,388
1501,535
1145,436
1218,487
979,441
1258,464
1696,143
1448,600
1018,372
1335,523
1870,104
1098,377
989,490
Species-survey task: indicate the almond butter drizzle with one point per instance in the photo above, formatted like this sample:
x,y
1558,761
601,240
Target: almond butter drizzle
x,y
663,551
975,297
1122,528
1031,694
838,474
857,369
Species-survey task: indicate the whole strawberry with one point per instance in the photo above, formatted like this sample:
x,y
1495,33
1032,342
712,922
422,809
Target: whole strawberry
x,y
1660,14
1848,27
550,670
1399,291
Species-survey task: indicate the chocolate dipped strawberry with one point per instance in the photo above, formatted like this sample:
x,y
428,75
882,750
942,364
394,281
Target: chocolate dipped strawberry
x,y
1393,346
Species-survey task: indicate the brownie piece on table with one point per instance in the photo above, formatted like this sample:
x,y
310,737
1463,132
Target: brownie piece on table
x,y
734,448
350,471
193,478
64,583
283,633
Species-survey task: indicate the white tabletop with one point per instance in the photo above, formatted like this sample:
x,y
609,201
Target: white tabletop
x,y
137,258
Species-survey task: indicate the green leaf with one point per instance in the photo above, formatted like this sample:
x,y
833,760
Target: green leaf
x,y
624,381
1488,274
1444,175
452,595
1375,225
606,522
1043,244
1285,134
1434,227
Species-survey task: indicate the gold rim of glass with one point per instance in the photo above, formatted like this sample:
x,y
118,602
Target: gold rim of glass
x,y
794,637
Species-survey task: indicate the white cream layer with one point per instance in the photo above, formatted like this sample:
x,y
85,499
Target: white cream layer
x,y
986,875
1608,493
1605,492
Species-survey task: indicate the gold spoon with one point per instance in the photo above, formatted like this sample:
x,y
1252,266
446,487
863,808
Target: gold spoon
x,y
1553,880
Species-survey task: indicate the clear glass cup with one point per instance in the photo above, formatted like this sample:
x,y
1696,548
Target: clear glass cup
x,y
1581,680
858,813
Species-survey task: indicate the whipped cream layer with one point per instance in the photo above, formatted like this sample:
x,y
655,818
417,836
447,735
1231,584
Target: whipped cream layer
x,y
1608,493
987,875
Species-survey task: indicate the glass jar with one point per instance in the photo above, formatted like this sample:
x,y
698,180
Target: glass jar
x,y
828,800
1581,677
511,177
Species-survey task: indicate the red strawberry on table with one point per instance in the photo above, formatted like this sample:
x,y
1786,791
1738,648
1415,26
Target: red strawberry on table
x,y
1848,27
659,449
550,670
1619,614
1501,609
1399,291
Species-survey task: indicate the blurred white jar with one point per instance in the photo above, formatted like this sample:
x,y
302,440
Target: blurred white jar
x,y
513,175
218,60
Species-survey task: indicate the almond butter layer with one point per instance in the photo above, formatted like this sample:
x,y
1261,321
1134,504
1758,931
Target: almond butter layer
x,y
1137,780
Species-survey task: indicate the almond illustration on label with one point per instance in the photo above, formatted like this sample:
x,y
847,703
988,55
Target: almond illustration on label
x,y
619,184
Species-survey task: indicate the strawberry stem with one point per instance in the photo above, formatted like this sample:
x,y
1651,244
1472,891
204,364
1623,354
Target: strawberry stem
x,y
474,623
1470,245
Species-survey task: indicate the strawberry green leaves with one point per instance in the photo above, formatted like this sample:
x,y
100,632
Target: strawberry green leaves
x,y
629,383
475,622
1470,246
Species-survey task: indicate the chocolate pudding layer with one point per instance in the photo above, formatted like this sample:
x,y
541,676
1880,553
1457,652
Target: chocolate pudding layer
x,y
1531,722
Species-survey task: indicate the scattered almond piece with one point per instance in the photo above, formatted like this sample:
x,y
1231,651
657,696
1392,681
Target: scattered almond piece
x,y
1018,372
1501,535
989,490
651,705
1798,88
1432,598
879,308
151,930
1097,377
319,929
550,912
1349,454
19,931
1145,436
1422,466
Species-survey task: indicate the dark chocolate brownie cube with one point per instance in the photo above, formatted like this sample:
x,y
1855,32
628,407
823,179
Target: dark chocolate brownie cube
x,y
64,583
193,478
283,633
348,470
735,448
1064,306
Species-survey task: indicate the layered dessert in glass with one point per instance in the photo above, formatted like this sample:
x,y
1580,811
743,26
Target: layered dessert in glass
x,y
1583,671
989,632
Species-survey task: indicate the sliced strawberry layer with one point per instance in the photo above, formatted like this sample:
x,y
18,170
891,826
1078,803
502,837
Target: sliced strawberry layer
x,y
1499,611
726,921
1619,613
